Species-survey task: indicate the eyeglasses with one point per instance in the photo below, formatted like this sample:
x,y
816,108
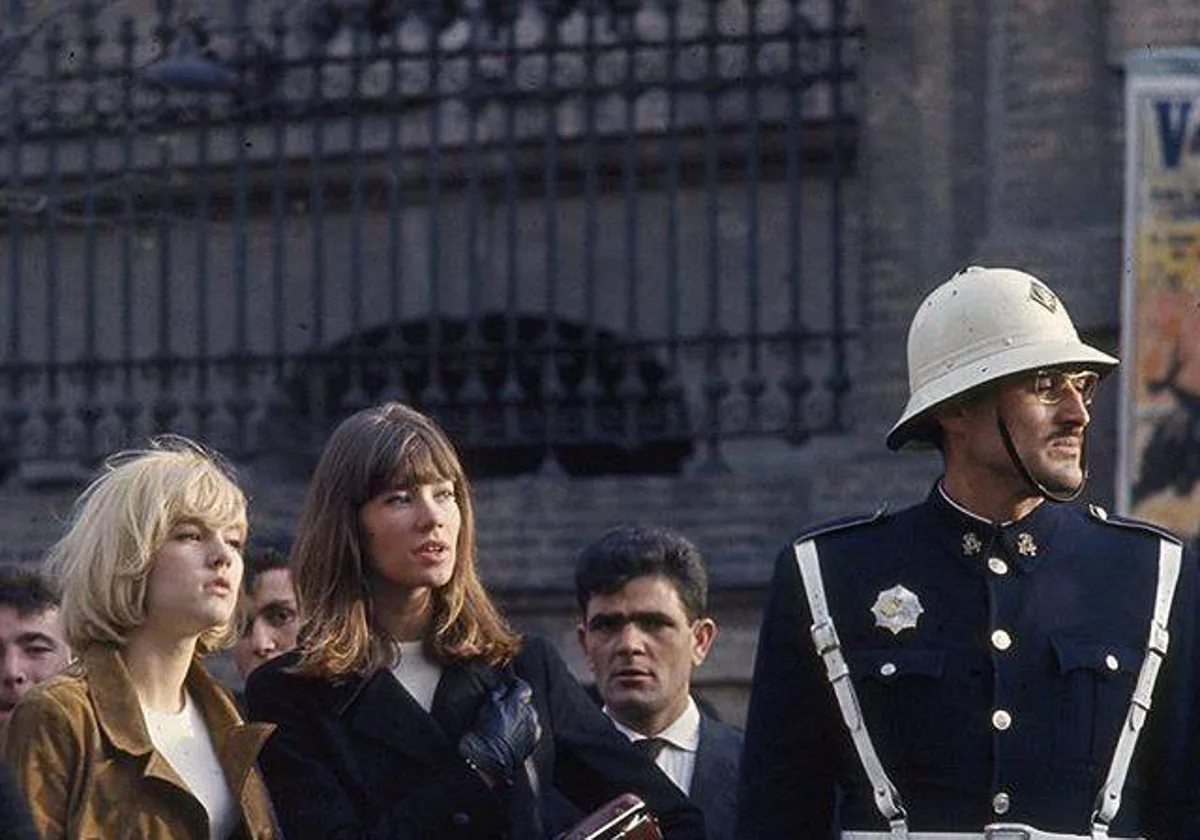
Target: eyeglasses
x,y
1050,386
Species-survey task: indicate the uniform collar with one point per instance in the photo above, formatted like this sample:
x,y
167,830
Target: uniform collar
x,y
1025,542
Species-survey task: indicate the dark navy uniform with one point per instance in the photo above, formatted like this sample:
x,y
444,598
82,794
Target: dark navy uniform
x,y
1002,703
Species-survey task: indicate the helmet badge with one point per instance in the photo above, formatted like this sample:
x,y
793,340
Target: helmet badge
x,y
1040,293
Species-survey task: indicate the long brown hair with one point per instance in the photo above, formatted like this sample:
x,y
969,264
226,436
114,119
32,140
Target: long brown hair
x,y
368,453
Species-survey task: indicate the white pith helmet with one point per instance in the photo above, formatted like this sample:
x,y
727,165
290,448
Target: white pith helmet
x,y
979,326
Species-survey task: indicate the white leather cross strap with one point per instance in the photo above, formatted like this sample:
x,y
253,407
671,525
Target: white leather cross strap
x,y
996,831
825,638
1108,801
887,797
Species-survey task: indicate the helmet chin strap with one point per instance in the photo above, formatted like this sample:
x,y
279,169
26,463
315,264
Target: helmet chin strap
x,y
1042,489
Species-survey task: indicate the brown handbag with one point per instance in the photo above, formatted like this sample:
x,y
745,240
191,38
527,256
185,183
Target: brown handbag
x,y
623,818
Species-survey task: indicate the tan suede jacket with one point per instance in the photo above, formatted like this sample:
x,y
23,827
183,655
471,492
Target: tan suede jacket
x,y
79,750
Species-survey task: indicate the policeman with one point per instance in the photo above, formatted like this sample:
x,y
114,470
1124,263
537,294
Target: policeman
x,y
991,663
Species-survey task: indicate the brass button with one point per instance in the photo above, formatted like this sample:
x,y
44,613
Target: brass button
x,y
997,566
1001,719
1001,640
1001,802
887,669
1111,663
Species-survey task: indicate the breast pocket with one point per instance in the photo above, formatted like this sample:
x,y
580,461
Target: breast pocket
x,y
1097,680
902,694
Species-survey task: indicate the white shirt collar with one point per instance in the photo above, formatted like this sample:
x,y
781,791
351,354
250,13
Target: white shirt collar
x,y
683,733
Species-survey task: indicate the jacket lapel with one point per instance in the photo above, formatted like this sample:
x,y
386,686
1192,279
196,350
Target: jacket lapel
x,y
716,765
237,744
379,709
461,689
704,785
119,714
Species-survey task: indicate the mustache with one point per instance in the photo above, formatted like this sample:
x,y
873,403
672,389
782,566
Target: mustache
x,y
1073,432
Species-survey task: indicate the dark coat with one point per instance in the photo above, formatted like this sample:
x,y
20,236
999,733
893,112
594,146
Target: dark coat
x,y
714,790
1068,594
359,758
15,823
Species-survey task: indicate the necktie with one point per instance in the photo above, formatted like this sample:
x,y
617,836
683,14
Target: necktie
x,y
650,747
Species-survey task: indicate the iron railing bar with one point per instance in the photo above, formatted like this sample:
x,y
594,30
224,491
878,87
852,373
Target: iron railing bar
x,y
52,411
473,394
396,387
128,407
796,382
753,383
589,386
552,388
317,408
356,395
15,412
715,385
614,122
511,393
279,253
434,395
839,380
88,410
239,404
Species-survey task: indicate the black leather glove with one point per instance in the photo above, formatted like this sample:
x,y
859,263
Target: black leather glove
x,y
505,732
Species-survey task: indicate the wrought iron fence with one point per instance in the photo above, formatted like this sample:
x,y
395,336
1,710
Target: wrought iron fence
x,y
599,235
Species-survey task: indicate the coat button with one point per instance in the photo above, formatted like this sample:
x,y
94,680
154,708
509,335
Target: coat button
x,y
1001,640
997,566
1001,802
1001,720
887,669
1111,662
461,819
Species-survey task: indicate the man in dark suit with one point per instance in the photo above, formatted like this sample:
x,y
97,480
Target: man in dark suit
x,y
643,594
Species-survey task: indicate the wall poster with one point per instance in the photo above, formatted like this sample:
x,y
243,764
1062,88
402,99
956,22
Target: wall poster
x,y
1158,474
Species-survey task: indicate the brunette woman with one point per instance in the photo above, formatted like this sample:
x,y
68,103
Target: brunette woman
x,y
411,710
135,739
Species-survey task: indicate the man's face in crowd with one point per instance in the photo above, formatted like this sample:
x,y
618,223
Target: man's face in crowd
x,y
273,622
32,648
641,647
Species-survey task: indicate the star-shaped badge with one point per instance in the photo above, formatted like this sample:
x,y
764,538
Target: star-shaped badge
x,y
897,609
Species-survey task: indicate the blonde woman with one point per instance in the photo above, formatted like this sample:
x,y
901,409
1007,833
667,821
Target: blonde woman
x,y
135,739
411,710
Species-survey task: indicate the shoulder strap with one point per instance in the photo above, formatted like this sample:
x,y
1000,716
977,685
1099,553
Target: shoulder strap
x,y
829,648
1108,801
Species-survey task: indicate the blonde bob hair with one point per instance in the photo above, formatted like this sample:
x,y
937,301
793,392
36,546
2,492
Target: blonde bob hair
x,y
368,453
103,562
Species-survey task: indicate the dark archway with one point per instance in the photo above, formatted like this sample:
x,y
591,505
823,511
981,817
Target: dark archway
x,y
507,390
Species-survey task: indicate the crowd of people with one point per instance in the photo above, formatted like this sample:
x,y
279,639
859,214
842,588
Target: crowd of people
x,y
996,662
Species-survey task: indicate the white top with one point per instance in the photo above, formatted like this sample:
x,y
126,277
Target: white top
x,y
678,756
183,739
418,673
